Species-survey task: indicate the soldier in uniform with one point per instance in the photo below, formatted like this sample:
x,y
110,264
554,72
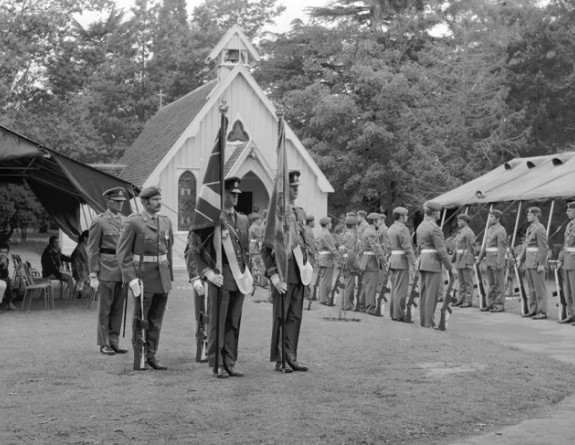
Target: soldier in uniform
x,y
371,262
291,290
105,272
255,234
327,252
361,221
383,233
350,250
567,263
223,284
464,259
534,256
494,250
431,243
312,251
402,259
145,256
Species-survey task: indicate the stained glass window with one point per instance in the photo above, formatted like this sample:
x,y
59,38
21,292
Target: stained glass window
x,y
186,200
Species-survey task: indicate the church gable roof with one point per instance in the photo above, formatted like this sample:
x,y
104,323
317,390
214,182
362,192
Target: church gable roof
x,y
161,133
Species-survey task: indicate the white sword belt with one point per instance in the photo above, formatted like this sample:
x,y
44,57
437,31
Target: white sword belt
x,y
397,252
428,250
491,249
368,252
324,252
150,258
533,249
460,250
569,249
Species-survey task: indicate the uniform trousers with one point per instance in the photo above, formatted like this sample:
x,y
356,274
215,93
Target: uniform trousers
x,y
154,308
349,290
231,304
293,307
111,297
569,289
325,275
399,288
430,288
495,280
465,277
370,279
537,299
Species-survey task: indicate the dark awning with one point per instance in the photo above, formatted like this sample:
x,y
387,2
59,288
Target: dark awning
x,y
60,183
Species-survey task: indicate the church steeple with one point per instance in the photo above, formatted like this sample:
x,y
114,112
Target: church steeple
x,y
234,48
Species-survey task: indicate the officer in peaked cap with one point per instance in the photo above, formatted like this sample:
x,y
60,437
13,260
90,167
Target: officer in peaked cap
x,y
223,344
431,243
105,272
294,177
402,258
372,260
327,252
534,256
145,256
464,259
567,264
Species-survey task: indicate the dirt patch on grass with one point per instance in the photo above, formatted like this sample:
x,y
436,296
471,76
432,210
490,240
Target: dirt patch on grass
x,y
375,381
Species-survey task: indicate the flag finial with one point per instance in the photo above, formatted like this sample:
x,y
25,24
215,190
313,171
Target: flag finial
x,y
280,112
224,107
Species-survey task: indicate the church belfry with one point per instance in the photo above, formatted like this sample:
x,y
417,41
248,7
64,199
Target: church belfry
x,y
234,48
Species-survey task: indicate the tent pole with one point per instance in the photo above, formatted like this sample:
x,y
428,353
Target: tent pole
x,y
82,206
466,210
550,217
516,225
486,226
443,218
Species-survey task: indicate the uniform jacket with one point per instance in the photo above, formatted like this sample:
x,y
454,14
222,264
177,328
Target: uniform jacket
x,y
326,248
203,252
496,238
362,226
298,227
465,248
104,234
568,258
52,261
373,256
144,235
79,259
4,269
311,244
430,236
400,239
383,233
352,246
536,236
255,237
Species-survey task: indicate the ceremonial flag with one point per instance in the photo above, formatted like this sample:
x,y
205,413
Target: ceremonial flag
x,y
277,232
209,203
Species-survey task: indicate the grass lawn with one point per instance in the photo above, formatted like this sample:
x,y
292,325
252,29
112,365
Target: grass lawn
x,y
372,382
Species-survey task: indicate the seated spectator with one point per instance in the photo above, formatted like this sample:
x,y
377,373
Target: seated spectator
x,y
5,281
79,257
52,258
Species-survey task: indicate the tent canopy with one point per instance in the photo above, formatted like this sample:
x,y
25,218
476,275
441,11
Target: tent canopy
x,y
520,179
60,183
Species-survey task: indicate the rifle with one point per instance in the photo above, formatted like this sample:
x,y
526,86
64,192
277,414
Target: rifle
x,y
445,310
202,329
522,293
140,324
480,286
411,300
560,292
359,290
380,305
334,289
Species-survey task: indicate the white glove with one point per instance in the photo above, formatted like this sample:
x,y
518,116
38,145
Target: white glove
x,y
198,287
135,286
280,286
94,283
214,278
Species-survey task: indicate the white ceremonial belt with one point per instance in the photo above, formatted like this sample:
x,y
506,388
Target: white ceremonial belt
x,y
150,258
569,249
324,252
254,240
492,249
398,252
428,250
460,250
533,249
368,252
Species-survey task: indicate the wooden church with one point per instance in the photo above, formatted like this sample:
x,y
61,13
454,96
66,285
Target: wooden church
x,y
173,149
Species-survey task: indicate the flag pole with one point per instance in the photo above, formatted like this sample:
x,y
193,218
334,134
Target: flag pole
x,y
223,110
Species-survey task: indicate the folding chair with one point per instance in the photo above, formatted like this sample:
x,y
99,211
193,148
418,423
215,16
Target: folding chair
x,y
31,285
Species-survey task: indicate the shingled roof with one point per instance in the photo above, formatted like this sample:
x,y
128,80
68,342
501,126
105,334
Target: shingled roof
x,y
161,133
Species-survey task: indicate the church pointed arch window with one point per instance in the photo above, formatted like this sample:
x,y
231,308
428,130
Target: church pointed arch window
x,y
186,200
238,133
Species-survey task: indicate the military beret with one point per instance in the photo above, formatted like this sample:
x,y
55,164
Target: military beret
x,y
433,206
400,211
571,205
362,213
309,218
253,216
373,216
116,193
324,221
232,184
352,214
294,177
150,191
534,210
497,213
350,219
464,217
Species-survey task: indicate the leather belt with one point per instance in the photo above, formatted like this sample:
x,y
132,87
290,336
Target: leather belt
x,y
108,251
397,252
324,252
491,249
368,252
533,249
569,249
460,250
428,250
150,258
254,240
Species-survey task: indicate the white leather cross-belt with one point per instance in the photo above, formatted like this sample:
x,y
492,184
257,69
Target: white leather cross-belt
x,y
150,258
